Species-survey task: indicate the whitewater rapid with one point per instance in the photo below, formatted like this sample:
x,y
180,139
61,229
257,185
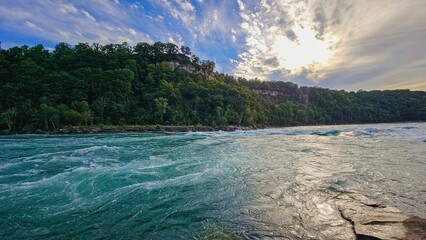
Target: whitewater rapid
x,y
278,183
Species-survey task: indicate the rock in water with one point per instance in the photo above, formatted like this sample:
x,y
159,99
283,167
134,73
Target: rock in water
x,y
372,220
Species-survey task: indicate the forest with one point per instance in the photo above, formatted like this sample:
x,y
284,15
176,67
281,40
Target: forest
x,y
164,84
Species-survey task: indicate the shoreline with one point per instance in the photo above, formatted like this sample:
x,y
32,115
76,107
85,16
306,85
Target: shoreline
x,y
167,128
134,128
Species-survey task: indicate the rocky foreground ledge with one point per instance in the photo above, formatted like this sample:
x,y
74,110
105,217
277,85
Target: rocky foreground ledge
x,y
372,220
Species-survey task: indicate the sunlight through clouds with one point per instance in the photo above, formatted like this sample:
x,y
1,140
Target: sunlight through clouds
x,y
306,52
283,37
351,44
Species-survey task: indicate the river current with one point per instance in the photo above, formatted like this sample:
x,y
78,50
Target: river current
x,y
273,183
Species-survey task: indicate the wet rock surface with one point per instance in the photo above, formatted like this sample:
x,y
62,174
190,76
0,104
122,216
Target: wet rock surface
x,y
372,220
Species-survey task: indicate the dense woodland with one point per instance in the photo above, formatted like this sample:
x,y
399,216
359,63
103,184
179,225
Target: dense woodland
x,y
162,83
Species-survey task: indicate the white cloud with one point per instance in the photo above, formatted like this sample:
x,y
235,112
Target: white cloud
x,y
233,38
280,38
181,10
67,8
217,23
62,21
106,8
87,14
109,28
8,13
136,6
132,32
185,5
337,42
32,25
241,5
64,33
175,38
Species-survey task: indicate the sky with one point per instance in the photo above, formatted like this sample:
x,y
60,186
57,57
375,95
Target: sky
x,y
337,44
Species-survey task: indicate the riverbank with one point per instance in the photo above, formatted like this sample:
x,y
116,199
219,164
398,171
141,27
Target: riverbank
x,y
162,128
134,128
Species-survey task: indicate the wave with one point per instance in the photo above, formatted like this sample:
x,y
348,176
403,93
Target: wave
x,y
266,132
333,132
66,155
95,149
408,127
394,131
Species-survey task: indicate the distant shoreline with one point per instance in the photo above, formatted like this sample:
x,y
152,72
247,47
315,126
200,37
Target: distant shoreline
x,y
133,128
165,128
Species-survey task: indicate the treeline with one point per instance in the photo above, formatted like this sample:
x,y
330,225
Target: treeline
x,y
293,105
162,83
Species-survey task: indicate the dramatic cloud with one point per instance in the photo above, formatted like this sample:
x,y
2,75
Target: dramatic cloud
x,y
356,44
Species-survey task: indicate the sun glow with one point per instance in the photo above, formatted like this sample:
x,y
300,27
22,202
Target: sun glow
x,y
304,52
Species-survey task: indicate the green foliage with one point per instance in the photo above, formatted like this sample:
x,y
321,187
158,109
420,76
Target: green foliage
x,y
161,83
290,105
161,105
8,117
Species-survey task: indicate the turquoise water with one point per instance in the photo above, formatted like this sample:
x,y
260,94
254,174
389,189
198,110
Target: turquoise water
x,y
215,185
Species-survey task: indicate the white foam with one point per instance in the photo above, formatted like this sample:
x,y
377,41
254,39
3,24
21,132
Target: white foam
x,y
95,148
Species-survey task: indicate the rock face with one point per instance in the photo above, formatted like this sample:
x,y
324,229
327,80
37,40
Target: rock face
x,y
372,220
416,228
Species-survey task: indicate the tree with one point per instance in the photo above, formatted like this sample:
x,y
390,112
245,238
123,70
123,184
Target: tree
x,y
118,92
185,51
171,48
161,105
99,106
158,51
8,117
144,51
195,60
63,56
49,116
39,55
84,111
208,66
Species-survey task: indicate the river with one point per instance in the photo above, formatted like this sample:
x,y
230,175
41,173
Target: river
x,y
272,183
